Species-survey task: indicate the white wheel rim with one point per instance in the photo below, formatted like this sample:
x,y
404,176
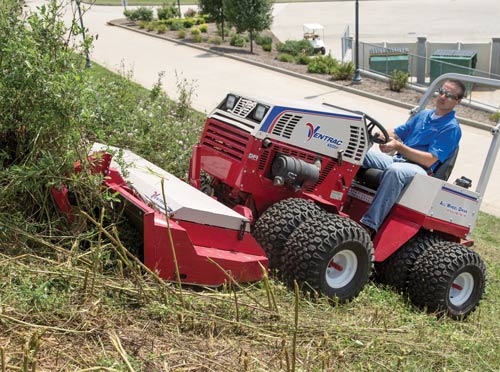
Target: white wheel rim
x,y
341,269
461,289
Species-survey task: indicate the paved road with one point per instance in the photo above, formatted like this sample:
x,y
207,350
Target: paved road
x,y
214,76
467,21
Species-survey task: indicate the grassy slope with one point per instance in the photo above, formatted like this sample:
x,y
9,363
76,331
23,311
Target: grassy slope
x,y
80,309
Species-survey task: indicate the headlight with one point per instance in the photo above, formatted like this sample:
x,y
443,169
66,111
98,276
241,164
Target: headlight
x,y
230,101
260,112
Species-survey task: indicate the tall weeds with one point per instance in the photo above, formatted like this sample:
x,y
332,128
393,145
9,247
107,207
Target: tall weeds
x,y
52,108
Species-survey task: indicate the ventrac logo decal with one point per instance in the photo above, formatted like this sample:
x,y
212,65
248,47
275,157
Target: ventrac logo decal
x,y
313,132
310,131
159,201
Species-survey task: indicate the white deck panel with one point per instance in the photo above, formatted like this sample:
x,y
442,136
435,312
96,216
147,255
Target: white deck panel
x,y
184,202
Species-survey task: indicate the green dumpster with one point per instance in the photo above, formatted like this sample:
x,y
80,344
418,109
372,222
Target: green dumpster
x,y
458,61
386,60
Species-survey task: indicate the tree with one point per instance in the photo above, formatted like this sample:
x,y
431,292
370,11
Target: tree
x,y
249,15
215,9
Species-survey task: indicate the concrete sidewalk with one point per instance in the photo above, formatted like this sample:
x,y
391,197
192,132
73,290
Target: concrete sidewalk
x,y
213,76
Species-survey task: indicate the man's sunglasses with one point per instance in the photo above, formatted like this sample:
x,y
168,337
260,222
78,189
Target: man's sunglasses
x,y
446,93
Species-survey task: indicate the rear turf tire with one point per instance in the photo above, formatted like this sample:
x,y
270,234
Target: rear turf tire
x,y
394,271
278,222
448,279
331,255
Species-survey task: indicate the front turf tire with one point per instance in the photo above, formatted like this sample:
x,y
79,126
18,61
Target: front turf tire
x,y
278,222
448,279
331,255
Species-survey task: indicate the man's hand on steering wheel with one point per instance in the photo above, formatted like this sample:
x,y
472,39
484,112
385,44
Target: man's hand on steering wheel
x,y
380,138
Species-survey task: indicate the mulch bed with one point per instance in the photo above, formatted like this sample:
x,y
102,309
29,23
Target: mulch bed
x,y
376,87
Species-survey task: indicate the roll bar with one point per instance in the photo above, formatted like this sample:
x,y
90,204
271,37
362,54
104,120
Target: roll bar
x,y
495,131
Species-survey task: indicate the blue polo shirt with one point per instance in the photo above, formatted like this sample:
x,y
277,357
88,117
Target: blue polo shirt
x,y
440,136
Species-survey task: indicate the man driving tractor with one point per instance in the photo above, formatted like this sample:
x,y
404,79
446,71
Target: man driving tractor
x,y
421,144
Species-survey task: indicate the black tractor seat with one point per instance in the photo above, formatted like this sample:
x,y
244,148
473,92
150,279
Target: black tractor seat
x,y
371,177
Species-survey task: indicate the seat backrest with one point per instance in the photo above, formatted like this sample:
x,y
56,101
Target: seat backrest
x,y
444,169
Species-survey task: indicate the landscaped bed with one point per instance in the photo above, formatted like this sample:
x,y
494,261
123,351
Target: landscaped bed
x,y
209,37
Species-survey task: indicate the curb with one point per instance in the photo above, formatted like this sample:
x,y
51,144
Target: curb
x,y
313,79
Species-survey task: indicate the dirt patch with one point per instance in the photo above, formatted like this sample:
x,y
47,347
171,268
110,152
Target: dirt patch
x,y
375,87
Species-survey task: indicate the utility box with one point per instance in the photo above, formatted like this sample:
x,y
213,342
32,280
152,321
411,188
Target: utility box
x,y
386,60
458,61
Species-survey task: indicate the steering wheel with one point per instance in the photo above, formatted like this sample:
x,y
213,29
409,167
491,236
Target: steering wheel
x,y
375,137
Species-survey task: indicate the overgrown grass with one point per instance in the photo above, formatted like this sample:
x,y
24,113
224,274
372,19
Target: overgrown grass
x,y
82,308
147,122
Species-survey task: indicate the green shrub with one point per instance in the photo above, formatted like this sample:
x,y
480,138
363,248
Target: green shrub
x,y
216,40
343,71
140,14
237,40
195,31
263,40
145,14
322,65
398,80
189,22
130,14
200,19
203,28
150,27
295,47
163,22
302,59
161,13
284,57
197,38
142,24
495,116
176,24
167,11
267,47
161,28
181,34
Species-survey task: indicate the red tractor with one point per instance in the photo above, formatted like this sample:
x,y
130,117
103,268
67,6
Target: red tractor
x,y
296,167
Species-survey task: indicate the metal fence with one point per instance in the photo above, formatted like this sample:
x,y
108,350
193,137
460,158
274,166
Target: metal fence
x,y
414,60
419,63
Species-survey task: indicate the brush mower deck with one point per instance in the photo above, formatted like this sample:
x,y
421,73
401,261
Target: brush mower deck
x,y
212,242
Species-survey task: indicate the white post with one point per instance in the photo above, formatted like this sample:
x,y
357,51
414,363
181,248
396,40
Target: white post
x,y
495,58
